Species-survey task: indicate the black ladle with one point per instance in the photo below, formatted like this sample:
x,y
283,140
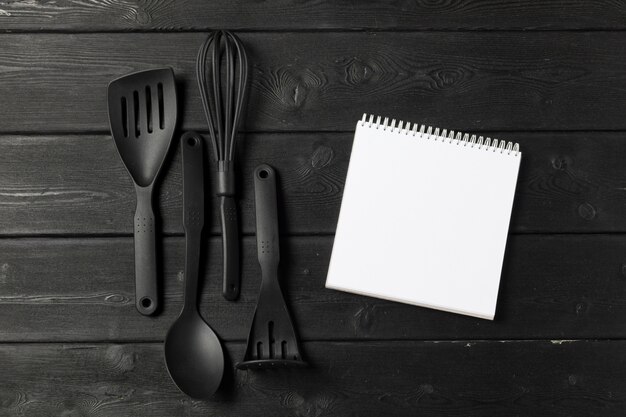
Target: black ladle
x,y
193,353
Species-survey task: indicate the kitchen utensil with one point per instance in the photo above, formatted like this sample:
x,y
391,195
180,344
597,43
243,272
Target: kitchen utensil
x,y
223,100
193,353
272,340
142,115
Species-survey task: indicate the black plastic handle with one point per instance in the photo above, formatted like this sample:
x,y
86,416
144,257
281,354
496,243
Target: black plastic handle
x,y
230,247
146,295
266,223
193,213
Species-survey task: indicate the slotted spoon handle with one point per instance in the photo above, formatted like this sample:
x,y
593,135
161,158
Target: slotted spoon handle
x,y
146,297
266,223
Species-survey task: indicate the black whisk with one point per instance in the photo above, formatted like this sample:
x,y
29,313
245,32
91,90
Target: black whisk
x,y
223,101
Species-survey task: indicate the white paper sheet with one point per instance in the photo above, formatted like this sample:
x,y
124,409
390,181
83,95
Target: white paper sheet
x,y
424,220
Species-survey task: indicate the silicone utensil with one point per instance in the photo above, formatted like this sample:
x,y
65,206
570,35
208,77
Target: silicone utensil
x,y
142,115
193,353
272,340
223,100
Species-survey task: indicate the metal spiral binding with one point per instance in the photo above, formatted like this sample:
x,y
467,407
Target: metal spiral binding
x,y
443,135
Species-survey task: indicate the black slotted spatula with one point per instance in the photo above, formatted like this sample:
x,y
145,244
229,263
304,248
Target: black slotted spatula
x,y
272,340
142,115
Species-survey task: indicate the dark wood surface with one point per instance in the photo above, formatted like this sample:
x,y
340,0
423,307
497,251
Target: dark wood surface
x,y
303,81
86,294
186,15
548,74
585,378
569,182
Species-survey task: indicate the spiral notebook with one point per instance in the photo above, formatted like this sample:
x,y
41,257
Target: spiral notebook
x,y
425,216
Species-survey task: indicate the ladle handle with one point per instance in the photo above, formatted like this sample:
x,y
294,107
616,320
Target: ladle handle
x,y
146,296
193,212
266,223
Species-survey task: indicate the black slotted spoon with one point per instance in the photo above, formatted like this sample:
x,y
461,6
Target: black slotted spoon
x,y
142,115
272,340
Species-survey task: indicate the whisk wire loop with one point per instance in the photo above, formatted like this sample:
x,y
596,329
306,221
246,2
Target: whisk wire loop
x,y
223,97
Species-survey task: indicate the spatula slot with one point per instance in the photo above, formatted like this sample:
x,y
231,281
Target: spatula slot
x,y
259,350
137,117
125,117
149,109
270,334
161,106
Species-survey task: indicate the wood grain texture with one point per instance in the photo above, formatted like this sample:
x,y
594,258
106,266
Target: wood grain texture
x,y
102,15
325,81
535,379
71,341
553,287
42,193
77,185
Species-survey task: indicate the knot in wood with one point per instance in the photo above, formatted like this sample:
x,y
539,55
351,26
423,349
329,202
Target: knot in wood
x,y
120,358
364,319
358,72
587,211
561,163
448,77
322,156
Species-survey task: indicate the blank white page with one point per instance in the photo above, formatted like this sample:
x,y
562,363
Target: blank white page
x,y
424,219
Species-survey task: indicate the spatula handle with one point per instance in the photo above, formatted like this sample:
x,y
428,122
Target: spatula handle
x,y
146,297
266,223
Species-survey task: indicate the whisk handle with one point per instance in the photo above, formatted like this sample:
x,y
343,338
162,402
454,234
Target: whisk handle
x,y
230,247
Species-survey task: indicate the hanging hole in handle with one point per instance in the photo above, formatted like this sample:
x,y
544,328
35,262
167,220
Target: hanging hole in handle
x,y
146,302
263,174
192,141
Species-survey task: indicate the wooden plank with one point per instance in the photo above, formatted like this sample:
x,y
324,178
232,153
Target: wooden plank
x,y
578,378
325,81
100,15
569,182
553,287
78,185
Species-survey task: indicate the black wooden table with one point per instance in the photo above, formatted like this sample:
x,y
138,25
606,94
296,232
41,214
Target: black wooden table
x,y
550,75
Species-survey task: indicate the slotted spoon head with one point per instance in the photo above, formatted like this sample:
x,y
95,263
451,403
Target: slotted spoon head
x,y
143,115
272,341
